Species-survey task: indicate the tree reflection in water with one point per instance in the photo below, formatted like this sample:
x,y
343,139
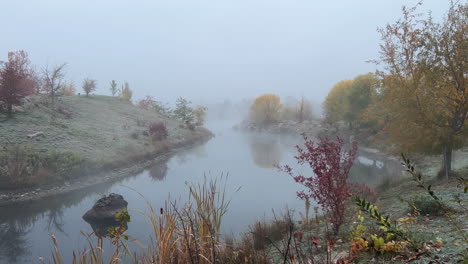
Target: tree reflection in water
x,y
266,151
17,220
158,171
13,243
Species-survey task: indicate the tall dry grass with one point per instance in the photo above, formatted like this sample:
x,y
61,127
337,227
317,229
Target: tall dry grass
x,y
186,234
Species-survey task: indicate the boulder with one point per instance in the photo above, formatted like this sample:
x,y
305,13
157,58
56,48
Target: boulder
x,y
106,208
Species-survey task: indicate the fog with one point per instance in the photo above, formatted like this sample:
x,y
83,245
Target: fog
x,y
207,51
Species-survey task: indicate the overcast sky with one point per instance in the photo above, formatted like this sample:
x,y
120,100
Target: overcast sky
x,y
204,50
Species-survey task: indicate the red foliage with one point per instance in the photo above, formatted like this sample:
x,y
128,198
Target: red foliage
x,y
147,102
330,163
89,86
16,80
158,131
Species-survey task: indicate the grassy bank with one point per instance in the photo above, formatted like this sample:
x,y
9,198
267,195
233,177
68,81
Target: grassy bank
x,y
81,135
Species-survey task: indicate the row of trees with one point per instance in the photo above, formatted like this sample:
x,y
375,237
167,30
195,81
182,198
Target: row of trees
x,y
418,97
183,111
267,109
18,79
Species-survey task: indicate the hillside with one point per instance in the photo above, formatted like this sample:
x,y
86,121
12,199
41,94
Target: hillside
x,y
90,133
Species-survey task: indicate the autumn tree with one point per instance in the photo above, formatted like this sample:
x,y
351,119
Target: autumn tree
x,y
126,93
424,73
265,109
68,89
183,111
16,80
89,85
300,111
199,114
113,87
336,105
361,94
54,80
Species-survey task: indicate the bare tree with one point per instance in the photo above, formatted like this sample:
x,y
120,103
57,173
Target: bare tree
x,y
53,80
89,85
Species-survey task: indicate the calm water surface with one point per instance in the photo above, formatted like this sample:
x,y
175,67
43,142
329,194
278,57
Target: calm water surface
x,y
247,158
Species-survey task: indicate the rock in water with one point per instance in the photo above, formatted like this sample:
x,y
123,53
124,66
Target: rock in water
x,y
106,208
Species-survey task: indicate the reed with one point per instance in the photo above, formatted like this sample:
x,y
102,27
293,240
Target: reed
x,y
186,234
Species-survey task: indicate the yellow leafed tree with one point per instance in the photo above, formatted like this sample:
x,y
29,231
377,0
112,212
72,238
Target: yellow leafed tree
x,y
336,105
265,109
126,93
424,100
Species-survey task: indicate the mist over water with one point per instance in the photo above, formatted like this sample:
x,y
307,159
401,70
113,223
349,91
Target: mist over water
x,y
245,159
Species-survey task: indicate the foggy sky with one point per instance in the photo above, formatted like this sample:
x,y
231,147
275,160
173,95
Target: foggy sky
x,y
203,50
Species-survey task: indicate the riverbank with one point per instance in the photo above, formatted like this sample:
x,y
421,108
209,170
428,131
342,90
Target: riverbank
x,y
99,138
29,194
292,127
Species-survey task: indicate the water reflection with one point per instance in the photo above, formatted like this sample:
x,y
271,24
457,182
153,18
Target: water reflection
x,y
158,171
17,221
266,152
13,242
198,151
249,159
376,171
103,229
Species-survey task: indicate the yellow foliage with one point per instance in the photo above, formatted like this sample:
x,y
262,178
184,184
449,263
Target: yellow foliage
x,y
424,99
336,104
126,93
69,89
265,109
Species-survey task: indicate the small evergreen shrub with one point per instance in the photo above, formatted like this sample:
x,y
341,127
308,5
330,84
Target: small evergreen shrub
x,y
425,205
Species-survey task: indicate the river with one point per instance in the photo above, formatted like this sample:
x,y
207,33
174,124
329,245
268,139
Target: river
x,y
246,159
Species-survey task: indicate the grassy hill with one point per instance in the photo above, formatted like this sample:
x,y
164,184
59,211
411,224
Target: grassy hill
x,y
88,132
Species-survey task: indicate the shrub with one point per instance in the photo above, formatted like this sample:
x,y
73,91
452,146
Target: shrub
x,y
147,102
158,131
63,163
330,163
134,135
18,164
266,233
200,115
68,89
425,205
183,111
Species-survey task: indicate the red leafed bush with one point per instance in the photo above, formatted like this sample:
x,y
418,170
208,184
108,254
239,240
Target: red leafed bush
x,y
147,102
331,163
158,131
